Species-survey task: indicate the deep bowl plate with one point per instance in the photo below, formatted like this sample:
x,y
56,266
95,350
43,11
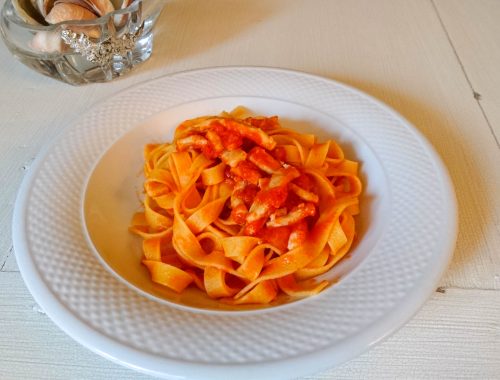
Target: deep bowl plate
x,y
115,186
408,228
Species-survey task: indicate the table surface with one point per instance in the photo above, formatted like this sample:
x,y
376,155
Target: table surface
x,y
437,62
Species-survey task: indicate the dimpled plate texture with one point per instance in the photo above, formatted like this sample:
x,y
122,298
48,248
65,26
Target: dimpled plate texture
x,y
103,314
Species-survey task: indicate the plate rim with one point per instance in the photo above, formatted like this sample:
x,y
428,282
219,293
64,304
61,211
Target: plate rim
x,y
155,365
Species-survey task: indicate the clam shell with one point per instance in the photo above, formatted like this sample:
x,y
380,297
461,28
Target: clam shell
x,y
34,5
98,7
122,19
67,11
81,3
44,6
47,42
126,3
102,6
27,12
121,4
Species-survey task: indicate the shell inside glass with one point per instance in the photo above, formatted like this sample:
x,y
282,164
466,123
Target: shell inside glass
x,y
41,47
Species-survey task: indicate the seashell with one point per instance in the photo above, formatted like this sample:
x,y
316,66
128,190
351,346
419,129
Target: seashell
x,y
120,20
126,3
81,3
44,6
98,7
102,6
63,11
121,4
27,12
34,5
47,42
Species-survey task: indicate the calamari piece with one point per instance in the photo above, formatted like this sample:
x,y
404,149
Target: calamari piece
x,y
283,176
304,194
230,139
298,235
191,142
297,214
279,212
233,157
263,183
269,198
266,201
244,192
215,141
247,171
256,135
265,123
263,160
239,210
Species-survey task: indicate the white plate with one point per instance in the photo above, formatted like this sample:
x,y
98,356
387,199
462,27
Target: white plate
x,y
111,195
405,247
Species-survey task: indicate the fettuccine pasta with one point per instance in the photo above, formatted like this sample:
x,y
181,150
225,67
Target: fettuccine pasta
x,y
244,209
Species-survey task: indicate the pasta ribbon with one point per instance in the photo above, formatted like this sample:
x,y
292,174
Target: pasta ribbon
x,y
238,247
168,275
215,283
306,288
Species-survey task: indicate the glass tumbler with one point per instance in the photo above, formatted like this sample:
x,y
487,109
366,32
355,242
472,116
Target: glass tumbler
x,y
79,52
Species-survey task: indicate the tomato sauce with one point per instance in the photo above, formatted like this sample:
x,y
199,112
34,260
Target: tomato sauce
x,y
209,152
247,171
248,132
277,236
279,153
251,228
263,159
230,139
298,235
263,123
304,181
274,197
239,214
248,194
258,168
